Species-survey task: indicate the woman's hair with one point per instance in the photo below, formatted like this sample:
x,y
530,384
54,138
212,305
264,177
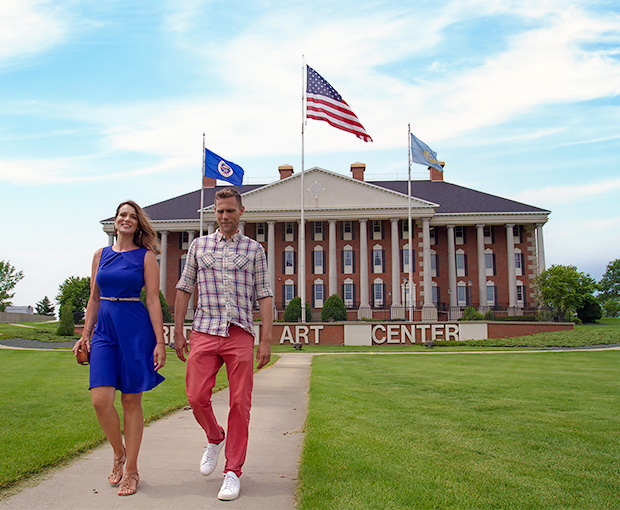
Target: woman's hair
x,y
145,235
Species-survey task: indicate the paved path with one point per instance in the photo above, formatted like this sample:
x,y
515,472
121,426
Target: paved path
x,y
171,452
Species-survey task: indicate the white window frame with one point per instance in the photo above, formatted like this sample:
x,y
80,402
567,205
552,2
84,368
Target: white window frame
x,y
318,230
406,258
289,291
347,230
488,235
377,259
184,240
289,231
434,263
347,264
518,259
460,263
488,262
348,289
377,230
459,235
461,294
433,235
319,268
491,300
289,260
435,293
319,293
520,293
261,232
377,292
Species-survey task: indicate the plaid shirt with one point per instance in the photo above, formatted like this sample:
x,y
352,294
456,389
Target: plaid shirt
x,y
231,275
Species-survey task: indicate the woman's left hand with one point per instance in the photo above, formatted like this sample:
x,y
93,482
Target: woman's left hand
x,y
159,356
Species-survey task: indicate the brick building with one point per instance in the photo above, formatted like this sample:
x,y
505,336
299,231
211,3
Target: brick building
x,y
469,247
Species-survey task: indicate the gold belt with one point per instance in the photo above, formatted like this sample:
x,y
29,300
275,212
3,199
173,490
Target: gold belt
x,y
121,298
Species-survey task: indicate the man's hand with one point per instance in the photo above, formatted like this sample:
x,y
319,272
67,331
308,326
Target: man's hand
x,y
180,344
263,354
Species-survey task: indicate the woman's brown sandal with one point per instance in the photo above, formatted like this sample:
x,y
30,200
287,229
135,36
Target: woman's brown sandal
x,y
116,475
126,488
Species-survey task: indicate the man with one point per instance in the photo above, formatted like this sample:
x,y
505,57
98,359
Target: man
x,y
231,272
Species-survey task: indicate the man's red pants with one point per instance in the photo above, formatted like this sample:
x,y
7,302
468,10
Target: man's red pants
x,y
206,356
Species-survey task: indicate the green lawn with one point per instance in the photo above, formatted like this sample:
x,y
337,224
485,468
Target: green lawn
x,y
488,431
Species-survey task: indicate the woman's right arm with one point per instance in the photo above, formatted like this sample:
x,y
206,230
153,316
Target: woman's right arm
x,y
92,309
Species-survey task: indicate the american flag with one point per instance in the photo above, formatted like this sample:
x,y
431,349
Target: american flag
x,y
324,103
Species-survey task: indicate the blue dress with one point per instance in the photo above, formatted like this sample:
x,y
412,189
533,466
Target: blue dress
x,y
121,351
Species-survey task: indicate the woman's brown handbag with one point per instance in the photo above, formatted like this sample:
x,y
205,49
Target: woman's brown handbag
x,y
83,356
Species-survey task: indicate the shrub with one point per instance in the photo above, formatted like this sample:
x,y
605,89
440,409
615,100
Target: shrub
x,y
292,313
165,309
590,310
334,309
471,314
489,315
67,326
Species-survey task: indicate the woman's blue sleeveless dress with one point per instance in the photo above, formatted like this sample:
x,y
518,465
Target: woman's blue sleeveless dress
x,y
121,352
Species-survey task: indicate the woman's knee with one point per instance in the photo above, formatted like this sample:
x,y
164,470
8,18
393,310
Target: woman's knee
x,y
131,402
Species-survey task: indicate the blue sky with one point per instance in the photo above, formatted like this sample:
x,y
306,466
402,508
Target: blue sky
x,y
103,101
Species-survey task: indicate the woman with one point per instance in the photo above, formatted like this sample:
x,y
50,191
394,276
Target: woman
x,y
127,344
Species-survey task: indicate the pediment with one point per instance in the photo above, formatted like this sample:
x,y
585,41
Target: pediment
x,y
328,191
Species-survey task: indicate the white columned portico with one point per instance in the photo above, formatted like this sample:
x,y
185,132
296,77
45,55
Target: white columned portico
x,y
395,266
482,270
512,278
110,238
242,227
540,248
453,296
190,305
333,264
210,227
364,302
271,254
429,312
163,262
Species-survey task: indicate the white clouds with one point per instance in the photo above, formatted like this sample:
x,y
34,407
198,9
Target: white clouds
x,y
569,194
28,27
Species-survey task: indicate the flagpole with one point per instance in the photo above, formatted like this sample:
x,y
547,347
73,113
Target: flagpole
x,y
202,184
409,223
302,227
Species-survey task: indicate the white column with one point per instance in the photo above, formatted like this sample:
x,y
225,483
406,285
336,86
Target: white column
x,y
242,227
364,302
482,269
452,293
210,227
163,262
271,254
540,247
110,238
395,263
190,306
333,259
512,278
429,311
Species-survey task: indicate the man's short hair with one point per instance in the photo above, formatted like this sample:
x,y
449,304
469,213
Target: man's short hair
x,y
228,193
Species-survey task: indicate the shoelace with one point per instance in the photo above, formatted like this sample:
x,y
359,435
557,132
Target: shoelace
x,y
211,454
229,482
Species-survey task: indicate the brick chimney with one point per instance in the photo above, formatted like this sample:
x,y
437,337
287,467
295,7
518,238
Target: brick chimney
x,y
436,175
285,171
208,182
358,169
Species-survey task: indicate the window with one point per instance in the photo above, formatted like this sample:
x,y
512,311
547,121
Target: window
x,y
319,262
434,264
489,235
317,231
377,229
318,295
183,240
377,293
518,263
260,232
517,232
347,260
520,294
347,230
289,291
404,229
491,295
459,235
182,262
461,263
462,294
289,260
289,231
404,259
435,294
433,234
377,259
489,262
348,294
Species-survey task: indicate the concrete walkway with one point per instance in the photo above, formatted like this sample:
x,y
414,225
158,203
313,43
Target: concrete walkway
x,y
172,449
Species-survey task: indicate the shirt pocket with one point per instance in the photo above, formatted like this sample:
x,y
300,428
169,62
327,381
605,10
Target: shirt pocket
x,y
241,262
207,261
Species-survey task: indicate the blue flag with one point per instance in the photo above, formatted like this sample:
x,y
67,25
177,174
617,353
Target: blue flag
x,y
423,154
219,168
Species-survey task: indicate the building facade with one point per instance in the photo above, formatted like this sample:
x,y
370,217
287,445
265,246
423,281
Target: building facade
x,y
468,247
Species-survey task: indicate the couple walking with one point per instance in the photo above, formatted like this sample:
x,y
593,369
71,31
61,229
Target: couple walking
x,y
126,340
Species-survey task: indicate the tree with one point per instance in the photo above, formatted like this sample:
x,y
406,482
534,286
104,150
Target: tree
x,y
45,307
564,289
9,277
75,292
67,326
611,308
590,310
334,309
165,309
610,282
292,313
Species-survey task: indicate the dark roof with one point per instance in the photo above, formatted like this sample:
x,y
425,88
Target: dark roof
x,y
450,197
458,199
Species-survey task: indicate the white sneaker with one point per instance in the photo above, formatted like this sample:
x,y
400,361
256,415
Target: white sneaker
x,y
230,487
209,458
